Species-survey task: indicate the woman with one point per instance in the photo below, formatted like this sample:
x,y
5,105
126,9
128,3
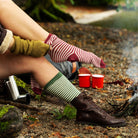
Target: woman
x,y
22,25
44,73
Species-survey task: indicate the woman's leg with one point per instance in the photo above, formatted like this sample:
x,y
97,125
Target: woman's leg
x,y
21,24
57,84
15,19
20,46
41,69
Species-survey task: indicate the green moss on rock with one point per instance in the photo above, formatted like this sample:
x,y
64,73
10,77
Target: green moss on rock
x,y
11,120
4,109
4,125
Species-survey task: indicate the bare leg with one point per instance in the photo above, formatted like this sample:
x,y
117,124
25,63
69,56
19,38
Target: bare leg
x,y
41,69
16,20
21,24
55,83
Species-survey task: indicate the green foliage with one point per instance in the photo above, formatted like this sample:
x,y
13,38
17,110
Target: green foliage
x,y
31,118
27,87
24,85
50,10
3,126
57,114
4,109
64,1
69,112
46,10
129,3
38,97
93,2
72,2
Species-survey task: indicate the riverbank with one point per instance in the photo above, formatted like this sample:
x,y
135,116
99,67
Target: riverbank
x,y
105,17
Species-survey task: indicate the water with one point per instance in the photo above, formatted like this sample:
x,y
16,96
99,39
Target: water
x,y
122,20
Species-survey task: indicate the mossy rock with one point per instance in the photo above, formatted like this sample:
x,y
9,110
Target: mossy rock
x,y
11,120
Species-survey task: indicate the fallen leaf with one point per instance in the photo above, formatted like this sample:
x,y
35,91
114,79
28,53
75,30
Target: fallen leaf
x,y
118,137
120,33
40,113
89,128
57,134
110,128
102,91
84,70
53,125
119,99
90,67
105,136
35,124
73,137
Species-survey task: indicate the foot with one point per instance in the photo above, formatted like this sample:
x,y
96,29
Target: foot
x,y
88,111
62,51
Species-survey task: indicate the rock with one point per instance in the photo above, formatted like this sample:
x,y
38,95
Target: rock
x,y
11,120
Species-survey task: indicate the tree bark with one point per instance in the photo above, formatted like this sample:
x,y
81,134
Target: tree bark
x,y
46,10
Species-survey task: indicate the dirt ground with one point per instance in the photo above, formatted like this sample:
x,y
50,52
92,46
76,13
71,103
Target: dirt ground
x,y
114,47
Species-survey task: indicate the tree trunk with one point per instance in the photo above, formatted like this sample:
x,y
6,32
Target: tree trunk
x,y
46,10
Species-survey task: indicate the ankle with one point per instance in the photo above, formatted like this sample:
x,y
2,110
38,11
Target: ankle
x,y
48,37
11,43
74,67
6,40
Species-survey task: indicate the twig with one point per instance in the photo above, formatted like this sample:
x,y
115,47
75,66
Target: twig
x,y
19,105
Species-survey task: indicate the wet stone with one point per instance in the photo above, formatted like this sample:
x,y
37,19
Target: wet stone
x,y
11,120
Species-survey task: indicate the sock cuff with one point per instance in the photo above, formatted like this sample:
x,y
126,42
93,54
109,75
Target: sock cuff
x,y
53,80
6,41
48,37
61,87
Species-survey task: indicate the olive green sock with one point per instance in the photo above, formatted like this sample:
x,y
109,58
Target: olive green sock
x,y
30,48
61,87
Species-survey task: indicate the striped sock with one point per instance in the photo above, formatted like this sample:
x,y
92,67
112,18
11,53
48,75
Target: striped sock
x,y
61,87
62,51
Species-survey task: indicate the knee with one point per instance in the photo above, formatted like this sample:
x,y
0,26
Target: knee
x,y
3,7
41,61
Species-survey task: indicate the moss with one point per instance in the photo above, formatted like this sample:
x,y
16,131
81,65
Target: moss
x,y
4,126
4,109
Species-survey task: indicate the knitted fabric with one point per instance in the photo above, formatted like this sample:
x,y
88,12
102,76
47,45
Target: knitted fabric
x,y
6,37
62,51
30,48
61,87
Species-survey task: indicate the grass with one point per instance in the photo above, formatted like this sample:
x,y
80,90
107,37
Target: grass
x,y
122,20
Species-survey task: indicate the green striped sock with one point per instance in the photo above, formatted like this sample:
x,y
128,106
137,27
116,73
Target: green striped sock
x,y
61,87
